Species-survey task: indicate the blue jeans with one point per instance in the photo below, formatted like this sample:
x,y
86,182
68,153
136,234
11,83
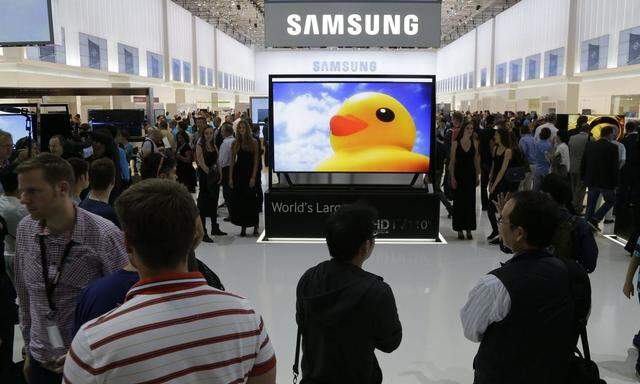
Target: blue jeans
x,y
609,196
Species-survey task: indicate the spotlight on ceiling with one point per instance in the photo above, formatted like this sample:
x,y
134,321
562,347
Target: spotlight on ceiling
x,y
238,6
478,7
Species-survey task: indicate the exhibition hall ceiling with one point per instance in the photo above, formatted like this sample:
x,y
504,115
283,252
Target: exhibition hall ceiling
x,y
244,19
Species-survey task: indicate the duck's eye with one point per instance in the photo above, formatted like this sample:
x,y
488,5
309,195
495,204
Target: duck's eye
x,y
385,114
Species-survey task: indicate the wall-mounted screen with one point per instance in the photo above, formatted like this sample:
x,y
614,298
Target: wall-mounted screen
x,y
129,119
597,122
25,22
259,109
361,124
14,124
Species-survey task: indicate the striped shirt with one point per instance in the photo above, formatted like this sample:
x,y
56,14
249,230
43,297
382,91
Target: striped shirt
x,y
174,328
489,302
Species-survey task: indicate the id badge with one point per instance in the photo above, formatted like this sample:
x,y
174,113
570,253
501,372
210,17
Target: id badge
x,y
55,337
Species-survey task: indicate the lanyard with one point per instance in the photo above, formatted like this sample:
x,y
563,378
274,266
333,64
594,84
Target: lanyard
x,y
51,285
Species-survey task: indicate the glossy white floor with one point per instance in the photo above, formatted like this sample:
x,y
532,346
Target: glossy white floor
x,y
430,283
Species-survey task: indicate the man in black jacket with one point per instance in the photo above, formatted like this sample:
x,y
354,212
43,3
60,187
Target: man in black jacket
x,y
343,312
525,314
600,175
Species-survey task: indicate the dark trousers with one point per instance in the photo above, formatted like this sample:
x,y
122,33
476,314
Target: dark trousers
x,y
40,375
492,211
6,353
609,196
484,181
226,189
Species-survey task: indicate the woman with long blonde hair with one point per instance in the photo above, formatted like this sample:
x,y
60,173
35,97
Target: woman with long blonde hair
x,y
243,174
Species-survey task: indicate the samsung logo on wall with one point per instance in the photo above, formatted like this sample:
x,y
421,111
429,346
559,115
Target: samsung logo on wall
x,y
345,66
354,23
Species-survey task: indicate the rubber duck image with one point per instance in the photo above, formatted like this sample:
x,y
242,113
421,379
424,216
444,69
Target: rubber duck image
x,y
373,132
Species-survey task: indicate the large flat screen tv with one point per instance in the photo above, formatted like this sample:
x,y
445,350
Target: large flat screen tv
x,y
25,22
351,124
131,120
259,109
15,124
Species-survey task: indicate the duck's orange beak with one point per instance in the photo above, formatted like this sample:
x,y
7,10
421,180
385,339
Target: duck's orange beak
x,y
346,125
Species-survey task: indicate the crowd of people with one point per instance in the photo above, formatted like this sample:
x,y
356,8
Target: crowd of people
x,y
505,153
106,289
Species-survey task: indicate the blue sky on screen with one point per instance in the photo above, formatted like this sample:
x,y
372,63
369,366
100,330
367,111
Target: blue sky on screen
x,y
24,20
302,111
14,124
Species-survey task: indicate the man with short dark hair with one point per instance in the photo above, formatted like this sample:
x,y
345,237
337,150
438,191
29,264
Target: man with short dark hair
x,y
600,174
343,312
81,175
56,145
524,314
577,146
183,330
60,248
102,178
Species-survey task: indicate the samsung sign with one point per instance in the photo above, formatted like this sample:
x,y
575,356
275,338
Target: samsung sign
x,y
352,24
345,66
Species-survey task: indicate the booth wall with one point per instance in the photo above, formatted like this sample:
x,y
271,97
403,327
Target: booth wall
x,y
206,47
597,18
306,62
457,58
234,59
484,52
117,21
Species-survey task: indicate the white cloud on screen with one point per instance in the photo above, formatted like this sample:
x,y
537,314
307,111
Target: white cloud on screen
x,y
332,86
301,128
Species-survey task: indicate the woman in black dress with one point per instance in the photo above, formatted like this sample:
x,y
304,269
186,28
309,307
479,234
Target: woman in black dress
x,y
210,177
465,170
504,157
184,155
242,180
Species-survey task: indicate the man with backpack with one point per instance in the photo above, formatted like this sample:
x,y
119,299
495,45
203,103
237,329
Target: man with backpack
x,y
573,239
527,314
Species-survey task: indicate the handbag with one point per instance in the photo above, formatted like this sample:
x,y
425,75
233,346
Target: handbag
x,y
583,370
515,174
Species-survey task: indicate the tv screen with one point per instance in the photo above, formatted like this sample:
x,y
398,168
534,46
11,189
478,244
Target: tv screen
x,y
352,124
15,125
259,109
123,119
25,22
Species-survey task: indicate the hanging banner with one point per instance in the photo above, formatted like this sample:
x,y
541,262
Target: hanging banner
x,y
354,23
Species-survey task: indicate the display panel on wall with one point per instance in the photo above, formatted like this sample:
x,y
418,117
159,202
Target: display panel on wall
x,y
155,65
515,71
26,22
259,109
594,54
532,67
14,124
176,70
202,75
483,77
597,122
629,49
472,84
130,120
186,72
210,77
352,124
128,59
93,52
501,73
554,62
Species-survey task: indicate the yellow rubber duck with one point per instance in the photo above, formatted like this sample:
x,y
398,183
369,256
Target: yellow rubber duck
x,y
373,132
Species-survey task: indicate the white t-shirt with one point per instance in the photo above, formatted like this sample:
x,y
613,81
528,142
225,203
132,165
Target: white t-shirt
x,y
554,130
563,150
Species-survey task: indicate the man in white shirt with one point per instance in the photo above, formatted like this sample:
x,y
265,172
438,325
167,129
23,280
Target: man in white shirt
x,y
551,124
522,313
225,158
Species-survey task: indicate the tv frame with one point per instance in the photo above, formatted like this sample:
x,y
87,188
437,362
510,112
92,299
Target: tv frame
x,y
376,78
251,107
35,43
